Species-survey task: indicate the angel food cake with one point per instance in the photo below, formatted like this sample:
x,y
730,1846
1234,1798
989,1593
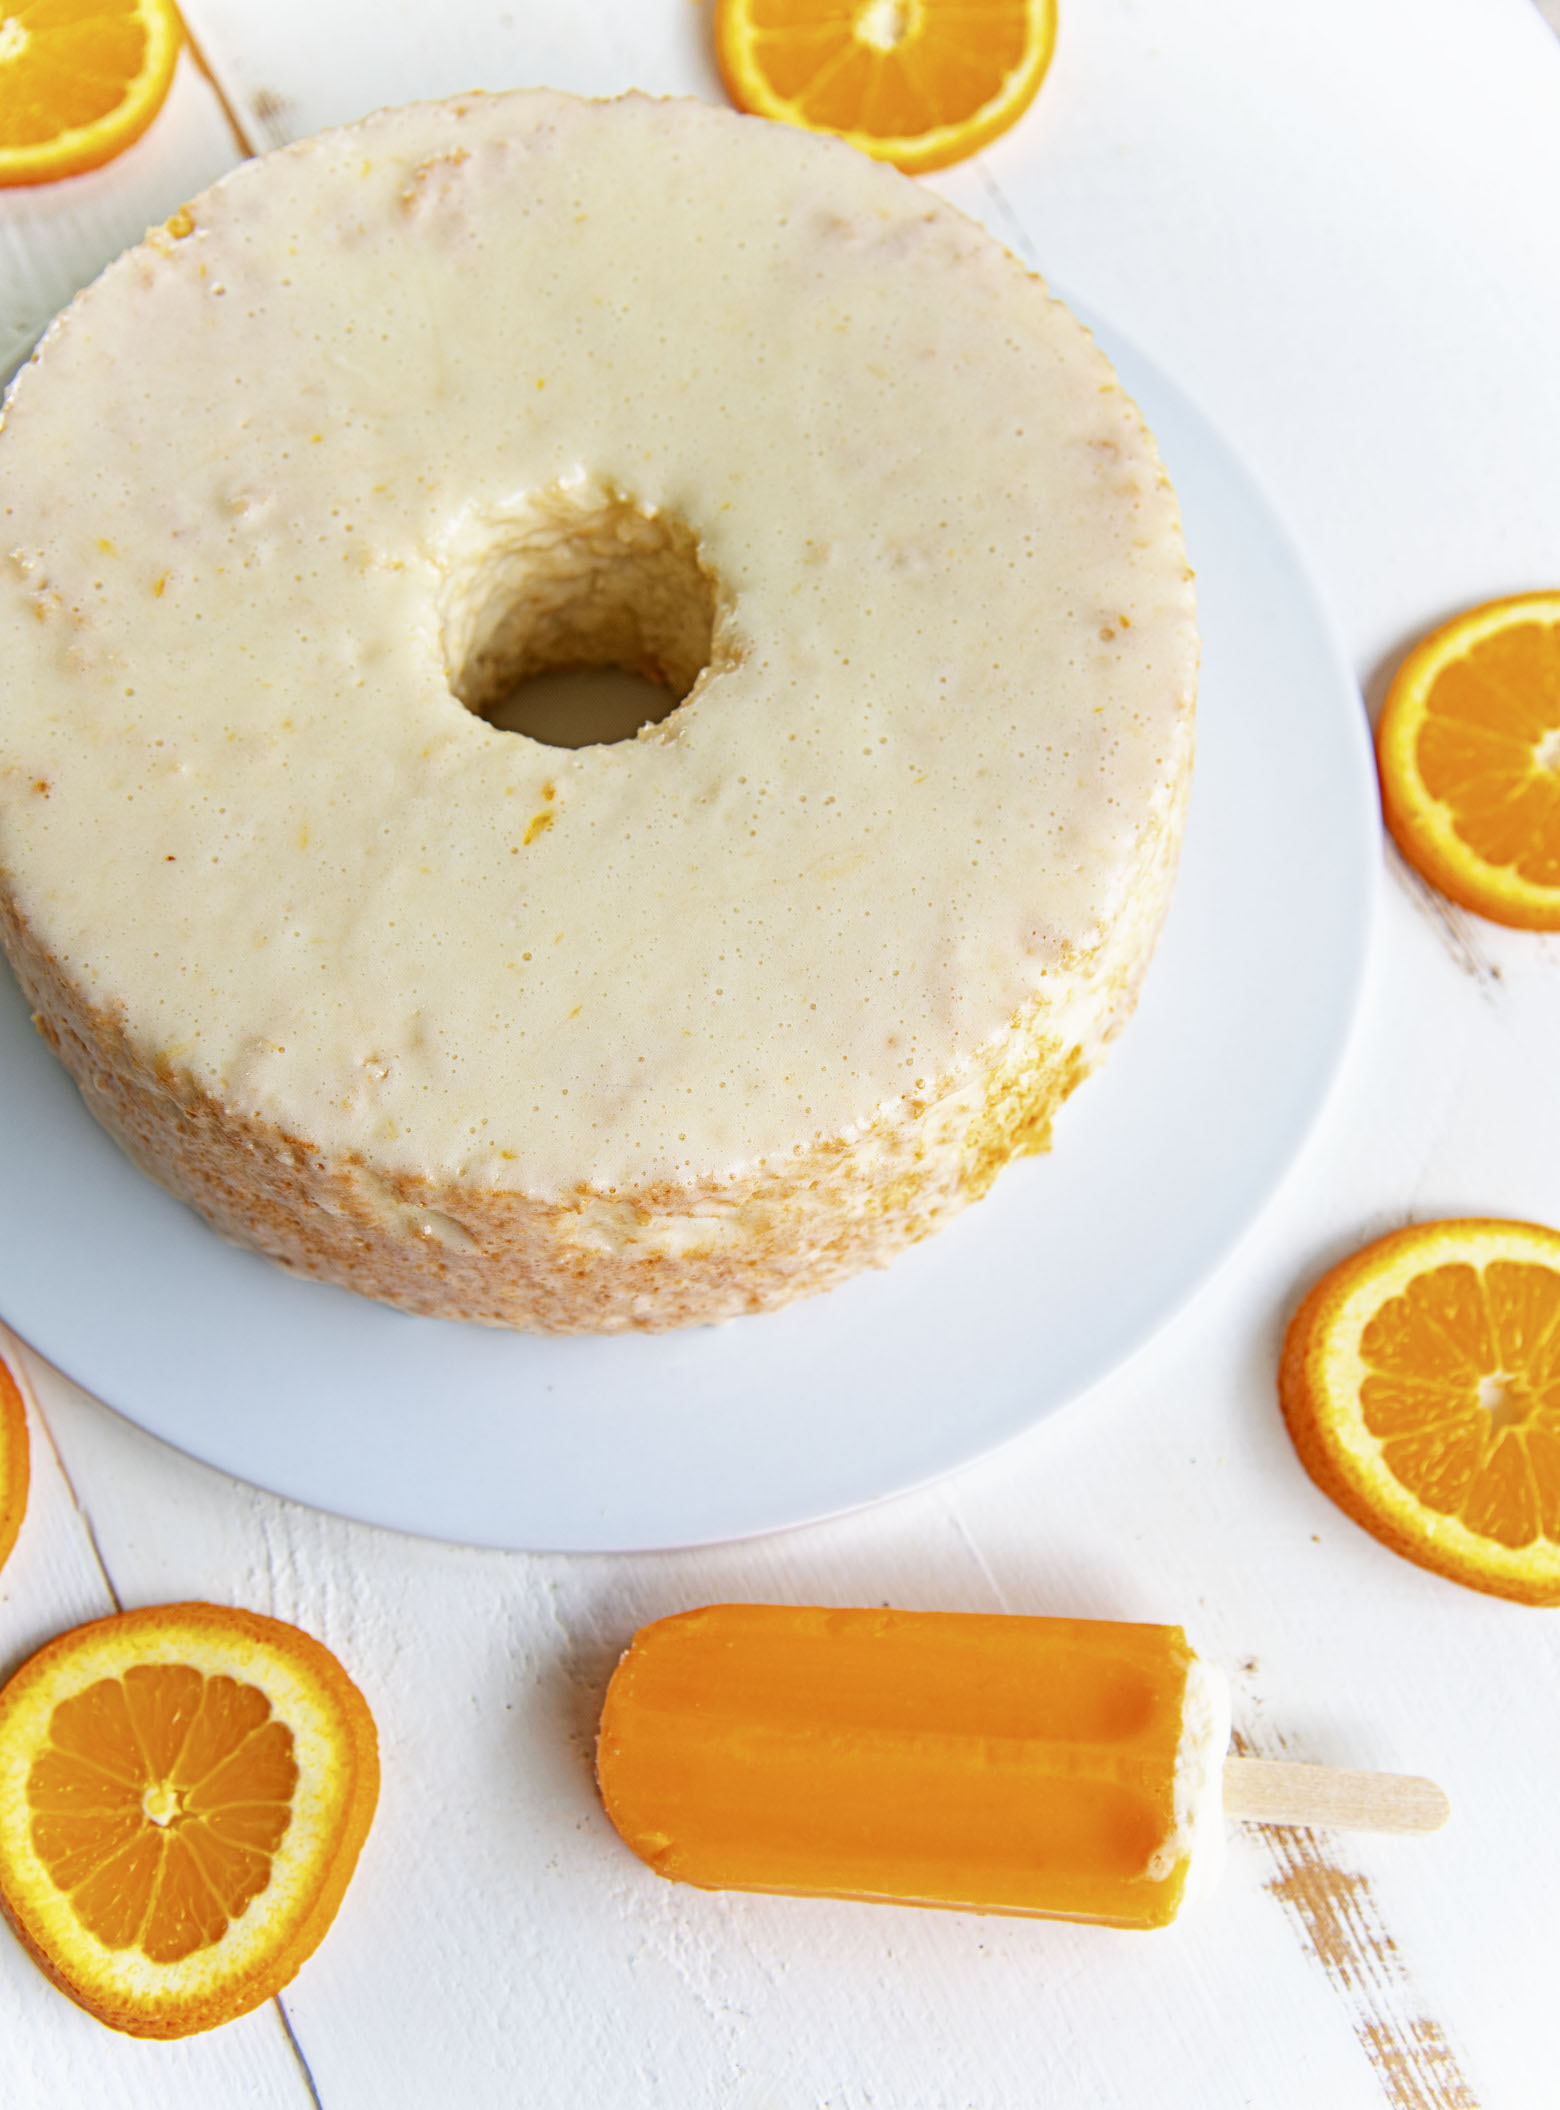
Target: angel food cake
x,y
635,1034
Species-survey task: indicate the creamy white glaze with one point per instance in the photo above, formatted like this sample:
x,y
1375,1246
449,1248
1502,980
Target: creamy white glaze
x,y
257,484
1199,1782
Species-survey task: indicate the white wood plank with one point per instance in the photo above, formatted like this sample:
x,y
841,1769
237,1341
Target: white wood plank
x,y
291,68
1291,234
53,2053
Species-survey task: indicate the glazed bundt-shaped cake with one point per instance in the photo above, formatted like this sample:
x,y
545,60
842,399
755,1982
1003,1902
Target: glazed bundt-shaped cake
x,y
303,491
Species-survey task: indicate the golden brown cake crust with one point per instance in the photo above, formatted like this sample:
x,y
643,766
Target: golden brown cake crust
x,y
637,1035
660,1258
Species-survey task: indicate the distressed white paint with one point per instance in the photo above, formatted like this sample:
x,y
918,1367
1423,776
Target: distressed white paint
x,y
1335,227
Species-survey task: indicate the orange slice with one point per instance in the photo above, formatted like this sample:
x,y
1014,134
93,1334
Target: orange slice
x,y
920,83
79,80
183,1795
1421,1383
1469,749
13,1462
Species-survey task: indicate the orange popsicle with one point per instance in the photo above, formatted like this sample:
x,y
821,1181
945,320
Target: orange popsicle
x,y
1063,1767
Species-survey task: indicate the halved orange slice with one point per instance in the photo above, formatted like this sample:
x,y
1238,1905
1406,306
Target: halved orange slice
x,y
1421,1383
79,81
13,1462
920,83
1469,750
183,1795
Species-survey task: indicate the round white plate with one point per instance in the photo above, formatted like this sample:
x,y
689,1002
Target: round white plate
x,y
629,1442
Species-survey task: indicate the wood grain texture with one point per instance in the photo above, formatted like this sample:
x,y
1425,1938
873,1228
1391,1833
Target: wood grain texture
x,y
1336,1913
1292,241
1269,1791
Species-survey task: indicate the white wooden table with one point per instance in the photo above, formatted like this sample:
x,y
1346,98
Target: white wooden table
x,y
1336,227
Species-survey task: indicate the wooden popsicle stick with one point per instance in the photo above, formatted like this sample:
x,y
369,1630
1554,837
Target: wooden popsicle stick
x,y
1271,1791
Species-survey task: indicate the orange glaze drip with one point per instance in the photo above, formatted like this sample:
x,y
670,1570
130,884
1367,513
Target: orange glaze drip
x,y
983,1762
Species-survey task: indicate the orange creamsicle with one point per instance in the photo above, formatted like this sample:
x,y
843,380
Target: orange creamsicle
x,y
1069,1768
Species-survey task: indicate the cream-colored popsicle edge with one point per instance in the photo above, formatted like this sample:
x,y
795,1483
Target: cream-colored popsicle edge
x,y
926,794
1199,1835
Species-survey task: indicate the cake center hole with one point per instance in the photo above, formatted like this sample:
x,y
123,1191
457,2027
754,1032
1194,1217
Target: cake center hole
x,y
578,617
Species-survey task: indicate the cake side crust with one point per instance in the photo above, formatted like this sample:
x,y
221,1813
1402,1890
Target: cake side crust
x,y
661,1257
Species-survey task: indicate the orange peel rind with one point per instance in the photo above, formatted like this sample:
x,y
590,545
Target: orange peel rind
x,y
13,1462
919,83
184,1791
80,80
1468,748
1420,1380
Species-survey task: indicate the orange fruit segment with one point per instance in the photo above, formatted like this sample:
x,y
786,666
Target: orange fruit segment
x,y
13,1462
1468,745
1420,1380
184,1792
920,83
79,81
